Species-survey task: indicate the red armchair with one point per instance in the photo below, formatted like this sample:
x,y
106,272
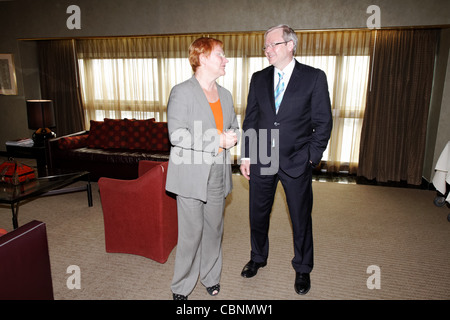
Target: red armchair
x,y
139,216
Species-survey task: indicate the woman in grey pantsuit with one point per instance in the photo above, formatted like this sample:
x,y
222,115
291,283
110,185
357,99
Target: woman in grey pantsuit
x,y
202,127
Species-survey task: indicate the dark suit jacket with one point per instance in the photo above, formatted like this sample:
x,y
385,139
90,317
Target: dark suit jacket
x,y
303,122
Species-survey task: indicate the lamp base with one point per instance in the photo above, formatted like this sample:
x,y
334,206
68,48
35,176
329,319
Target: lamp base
x,y
40,136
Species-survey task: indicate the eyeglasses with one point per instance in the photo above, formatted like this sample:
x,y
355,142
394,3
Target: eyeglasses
x,y
221,54
273,45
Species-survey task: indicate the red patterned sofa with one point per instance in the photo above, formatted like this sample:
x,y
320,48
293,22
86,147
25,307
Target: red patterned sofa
x,y
111,148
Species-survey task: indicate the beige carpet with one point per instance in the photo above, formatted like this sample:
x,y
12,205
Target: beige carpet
x,y
355,226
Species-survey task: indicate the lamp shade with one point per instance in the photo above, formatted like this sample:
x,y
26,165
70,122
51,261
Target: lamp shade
x,y
40,114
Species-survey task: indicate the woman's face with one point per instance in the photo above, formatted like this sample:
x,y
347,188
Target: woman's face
x,y
215,63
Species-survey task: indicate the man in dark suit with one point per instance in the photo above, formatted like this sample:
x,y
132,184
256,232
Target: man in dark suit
x,y
286,128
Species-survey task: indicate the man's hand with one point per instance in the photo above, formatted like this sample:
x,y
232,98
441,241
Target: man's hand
x,y
245,168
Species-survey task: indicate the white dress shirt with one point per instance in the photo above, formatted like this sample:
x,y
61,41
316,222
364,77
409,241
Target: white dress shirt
x,y
287,73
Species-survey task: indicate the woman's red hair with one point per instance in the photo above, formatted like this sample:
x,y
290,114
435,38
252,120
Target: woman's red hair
x,y
200,46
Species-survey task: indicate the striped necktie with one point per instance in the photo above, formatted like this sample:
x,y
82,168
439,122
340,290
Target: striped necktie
x,y
279,90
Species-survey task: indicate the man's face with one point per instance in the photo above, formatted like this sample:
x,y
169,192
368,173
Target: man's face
x,y
278,55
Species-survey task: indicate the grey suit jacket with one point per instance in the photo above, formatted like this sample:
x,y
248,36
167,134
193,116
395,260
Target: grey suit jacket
x,y
195,139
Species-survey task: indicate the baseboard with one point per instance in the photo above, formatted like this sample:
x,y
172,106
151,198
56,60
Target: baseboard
x,y
424,185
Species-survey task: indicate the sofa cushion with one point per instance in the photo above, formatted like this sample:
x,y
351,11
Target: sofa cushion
x,y
158,137
138,132
98,135
117,134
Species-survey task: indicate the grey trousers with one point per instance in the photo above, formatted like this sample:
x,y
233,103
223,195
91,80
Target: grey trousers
x,y
200,229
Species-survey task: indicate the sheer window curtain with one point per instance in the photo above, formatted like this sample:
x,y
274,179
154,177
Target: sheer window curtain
x,y
135,75
132,78
345,58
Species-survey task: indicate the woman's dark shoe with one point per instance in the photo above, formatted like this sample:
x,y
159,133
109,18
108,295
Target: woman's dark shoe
x,y
214,290
179,297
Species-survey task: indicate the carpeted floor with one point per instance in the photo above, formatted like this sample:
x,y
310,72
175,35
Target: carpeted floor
x,y
398,230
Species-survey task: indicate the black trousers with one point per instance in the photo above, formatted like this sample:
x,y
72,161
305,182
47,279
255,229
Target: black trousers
x,y
299,199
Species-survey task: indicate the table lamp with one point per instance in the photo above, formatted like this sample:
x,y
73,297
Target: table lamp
x,y
41,117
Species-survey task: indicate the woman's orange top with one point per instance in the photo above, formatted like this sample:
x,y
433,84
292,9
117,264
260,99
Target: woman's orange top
x,y
216,108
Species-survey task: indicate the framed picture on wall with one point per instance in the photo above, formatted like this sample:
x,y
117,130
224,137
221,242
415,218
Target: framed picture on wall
x,y
8,84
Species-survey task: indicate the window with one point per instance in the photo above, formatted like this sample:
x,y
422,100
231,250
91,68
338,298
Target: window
x,y
135,82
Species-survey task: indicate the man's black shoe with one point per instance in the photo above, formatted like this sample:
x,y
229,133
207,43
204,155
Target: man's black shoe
x,y
302,283
251,268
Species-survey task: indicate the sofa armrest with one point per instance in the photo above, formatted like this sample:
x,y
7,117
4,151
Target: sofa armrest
x,y
25,272
53,146
53,143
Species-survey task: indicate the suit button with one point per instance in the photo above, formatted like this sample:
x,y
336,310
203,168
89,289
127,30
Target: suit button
x,y
276,124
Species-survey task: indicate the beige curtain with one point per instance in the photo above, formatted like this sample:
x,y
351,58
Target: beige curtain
x,y
395,124
109,64
132,77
